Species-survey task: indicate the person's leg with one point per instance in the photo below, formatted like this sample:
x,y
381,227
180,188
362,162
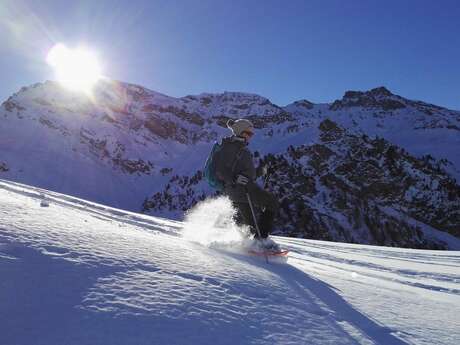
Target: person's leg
x,y
269,206
243,216
266,223
262,198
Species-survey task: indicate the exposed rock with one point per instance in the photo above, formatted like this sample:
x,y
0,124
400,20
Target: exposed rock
x,y
304,103
180,113
381,91
166,129
330,131
10,105
380,98
133,166
166,171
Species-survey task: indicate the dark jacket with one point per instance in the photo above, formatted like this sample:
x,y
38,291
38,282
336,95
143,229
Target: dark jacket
x,y
237,159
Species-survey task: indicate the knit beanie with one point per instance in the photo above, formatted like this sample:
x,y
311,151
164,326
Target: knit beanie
x,y
240,126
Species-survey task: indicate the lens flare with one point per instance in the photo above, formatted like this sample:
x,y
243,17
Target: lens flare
x,y
77,69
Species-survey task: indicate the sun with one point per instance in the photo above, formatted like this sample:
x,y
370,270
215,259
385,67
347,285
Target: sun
x,y
76,69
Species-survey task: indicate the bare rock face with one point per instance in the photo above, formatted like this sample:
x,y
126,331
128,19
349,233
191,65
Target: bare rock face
x,y
3,167
304,103
330,131
378,98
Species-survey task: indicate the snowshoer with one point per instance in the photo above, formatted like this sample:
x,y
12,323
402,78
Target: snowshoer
x,y
239,182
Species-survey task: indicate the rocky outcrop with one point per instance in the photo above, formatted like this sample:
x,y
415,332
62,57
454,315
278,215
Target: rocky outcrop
x,y
10,106
180,193
304,103
378,98
4,167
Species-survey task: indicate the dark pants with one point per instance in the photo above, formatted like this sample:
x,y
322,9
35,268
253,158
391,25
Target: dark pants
x,y
265,206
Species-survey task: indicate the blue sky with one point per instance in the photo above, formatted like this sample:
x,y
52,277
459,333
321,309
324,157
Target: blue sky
x,y
283,50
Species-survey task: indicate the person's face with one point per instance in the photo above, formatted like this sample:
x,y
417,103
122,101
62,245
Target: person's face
x,y
247,135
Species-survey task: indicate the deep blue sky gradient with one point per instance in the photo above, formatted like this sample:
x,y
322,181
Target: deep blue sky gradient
x,y
284,50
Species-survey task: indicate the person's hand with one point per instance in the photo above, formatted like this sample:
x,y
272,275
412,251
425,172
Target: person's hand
x,y
241,180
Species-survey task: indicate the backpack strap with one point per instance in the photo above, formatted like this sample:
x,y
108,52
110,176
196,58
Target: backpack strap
x,y
237,158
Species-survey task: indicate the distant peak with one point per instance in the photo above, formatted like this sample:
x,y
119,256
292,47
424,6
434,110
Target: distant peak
x,y
304,103
234,94
379,97
382,90
378,91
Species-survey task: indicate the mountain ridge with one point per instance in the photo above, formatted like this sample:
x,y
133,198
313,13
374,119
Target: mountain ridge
x,y
123,145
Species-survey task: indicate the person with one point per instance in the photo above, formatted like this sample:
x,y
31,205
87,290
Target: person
x,y
240,182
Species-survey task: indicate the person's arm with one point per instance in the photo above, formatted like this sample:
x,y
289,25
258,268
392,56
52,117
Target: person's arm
x,y
247,165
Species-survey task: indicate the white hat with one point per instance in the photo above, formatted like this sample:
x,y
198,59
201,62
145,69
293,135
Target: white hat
x,y
240,126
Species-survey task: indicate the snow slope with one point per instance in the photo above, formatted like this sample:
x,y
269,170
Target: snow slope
x,y
76,272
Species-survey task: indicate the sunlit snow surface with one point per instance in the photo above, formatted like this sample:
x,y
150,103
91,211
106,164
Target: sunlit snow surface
x,y
75,272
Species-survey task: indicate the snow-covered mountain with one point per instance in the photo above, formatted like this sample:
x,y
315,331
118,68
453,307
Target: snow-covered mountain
x,y
119,145
129,147
76,272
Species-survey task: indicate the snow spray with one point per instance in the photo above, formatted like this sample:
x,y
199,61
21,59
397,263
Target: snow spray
x,y
211,223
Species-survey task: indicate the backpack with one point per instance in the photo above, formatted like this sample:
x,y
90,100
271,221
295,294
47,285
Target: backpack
x,y
216,179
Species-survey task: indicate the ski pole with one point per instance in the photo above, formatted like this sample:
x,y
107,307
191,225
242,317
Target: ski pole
x,y
267,175
266,181
255,220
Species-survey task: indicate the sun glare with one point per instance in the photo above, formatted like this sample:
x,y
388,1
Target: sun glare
x,y
77,69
